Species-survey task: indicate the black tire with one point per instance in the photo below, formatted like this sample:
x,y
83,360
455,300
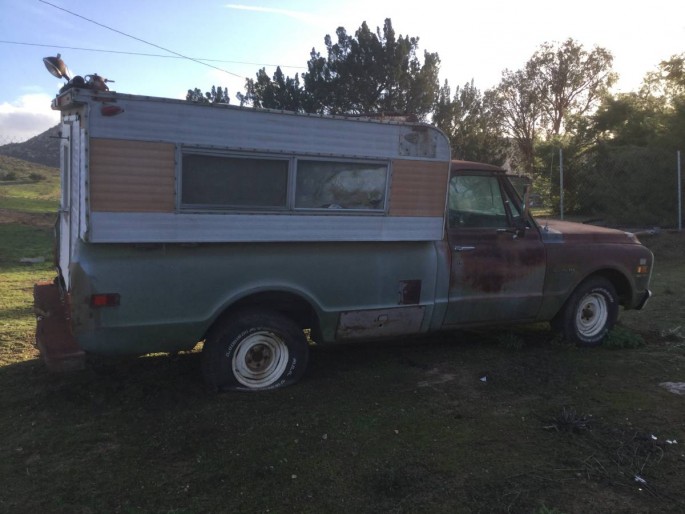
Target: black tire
x,y
254,350
589,313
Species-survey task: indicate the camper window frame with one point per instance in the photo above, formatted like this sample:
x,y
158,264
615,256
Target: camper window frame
x,y
381,209
290,205
208,207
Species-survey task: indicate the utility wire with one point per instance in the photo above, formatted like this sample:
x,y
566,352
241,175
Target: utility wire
x,y
102,50
139,39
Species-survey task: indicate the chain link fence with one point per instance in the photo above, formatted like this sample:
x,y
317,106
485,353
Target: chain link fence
x,y
623,187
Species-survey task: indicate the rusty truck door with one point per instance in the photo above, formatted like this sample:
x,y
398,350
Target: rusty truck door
x,y
498,260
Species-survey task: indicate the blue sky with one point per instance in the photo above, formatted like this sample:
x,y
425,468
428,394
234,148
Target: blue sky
x,y
475,40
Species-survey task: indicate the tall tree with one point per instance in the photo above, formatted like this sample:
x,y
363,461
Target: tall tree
x,y
279,92
516,104
470,125
570,80
668,80
628,174
368,73
371,73
217,95
559,85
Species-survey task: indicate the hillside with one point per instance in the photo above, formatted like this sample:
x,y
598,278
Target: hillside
x,y
16,169
41,149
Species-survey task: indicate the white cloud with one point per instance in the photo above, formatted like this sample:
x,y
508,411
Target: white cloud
x,y
306,17
26,117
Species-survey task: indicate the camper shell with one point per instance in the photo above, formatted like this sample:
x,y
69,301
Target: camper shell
x,y
241,227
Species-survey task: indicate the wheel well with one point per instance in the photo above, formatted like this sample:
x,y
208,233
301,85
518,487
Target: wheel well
x,y
292,305
620,283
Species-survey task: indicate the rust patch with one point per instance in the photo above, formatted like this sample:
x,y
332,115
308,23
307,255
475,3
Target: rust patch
x,y
54,338
491,270
410,292
379,323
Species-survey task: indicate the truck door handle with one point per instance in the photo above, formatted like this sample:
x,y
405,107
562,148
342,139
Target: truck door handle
x,y
464,248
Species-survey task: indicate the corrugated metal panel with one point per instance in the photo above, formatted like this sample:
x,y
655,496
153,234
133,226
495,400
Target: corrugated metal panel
x,y
418,188
263,131
131,176
110,227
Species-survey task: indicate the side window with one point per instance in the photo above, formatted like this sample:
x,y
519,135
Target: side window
x,y
476,201
340,185
215,182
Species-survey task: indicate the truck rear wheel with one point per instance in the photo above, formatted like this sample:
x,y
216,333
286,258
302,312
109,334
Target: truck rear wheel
x,y
254,350
590,313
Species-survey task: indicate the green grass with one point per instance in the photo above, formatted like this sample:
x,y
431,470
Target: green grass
x,y
401,426
27,213
25,195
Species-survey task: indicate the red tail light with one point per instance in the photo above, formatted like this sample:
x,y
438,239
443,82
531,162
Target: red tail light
x,y
105,300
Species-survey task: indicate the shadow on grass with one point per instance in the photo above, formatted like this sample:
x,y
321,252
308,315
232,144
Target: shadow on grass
x,y
396,426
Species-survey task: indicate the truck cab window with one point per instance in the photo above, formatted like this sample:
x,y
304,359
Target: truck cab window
x,y
475,201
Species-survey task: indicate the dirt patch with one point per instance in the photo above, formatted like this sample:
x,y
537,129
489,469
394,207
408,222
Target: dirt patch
x,y
27,218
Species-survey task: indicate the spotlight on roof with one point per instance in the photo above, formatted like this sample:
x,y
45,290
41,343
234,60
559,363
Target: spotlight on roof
x,y
56,67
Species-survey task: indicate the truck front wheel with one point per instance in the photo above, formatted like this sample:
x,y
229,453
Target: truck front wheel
x,y
254,350
589,314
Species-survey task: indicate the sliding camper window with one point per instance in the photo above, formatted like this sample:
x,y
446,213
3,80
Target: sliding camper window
x,y
232,182
340,185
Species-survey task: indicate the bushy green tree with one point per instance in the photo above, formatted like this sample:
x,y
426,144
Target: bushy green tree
x,y
279,92
470,125
630,171
372,73
217,95
368,73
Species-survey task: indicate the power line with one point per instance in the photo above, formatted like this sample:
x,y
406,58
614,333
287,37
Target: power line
x,y
139,39
102,50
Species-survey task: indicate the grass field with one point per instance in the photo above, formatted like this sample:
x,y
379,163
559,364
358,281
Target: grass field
x,y
491,421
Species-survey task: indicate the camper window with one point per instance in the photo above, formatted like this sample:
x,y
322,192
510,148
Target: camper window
x,y
340,185
210,181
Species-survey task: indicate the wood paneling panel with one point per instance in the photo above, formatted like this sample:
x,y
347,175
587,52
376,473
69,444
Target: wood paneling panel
x,y
418,188
131,176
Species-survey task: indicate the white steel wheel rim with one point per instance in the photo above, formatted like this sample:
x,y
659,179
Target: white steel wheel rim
x,y
260,359
592,315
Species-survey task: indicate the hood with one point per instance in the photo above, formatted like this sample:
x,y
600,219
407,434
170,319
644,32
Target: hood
x,y
555,231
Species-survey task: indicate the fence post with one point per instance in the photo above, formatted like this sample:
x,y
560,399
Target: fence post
x,y
561,183
680,196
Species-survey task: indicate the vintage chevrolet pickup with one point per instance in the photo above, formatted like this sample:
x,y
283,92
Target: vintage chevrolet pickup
x,y
243,228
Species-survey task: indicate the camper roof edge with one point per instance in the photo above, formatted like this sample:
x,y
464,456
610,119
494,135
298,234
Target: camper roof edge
x,y
75,96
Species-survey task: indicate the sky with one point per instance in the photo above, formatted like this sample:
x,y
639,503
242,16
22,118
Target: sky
x,y
476,40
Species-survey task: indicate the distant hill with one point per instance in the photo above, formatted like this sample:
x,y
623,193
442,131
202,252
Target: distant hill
x,y
23,171
41,149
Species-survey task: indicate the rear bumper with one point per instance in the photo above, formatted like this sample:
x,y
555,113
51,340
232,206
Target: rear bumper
x,y
54,337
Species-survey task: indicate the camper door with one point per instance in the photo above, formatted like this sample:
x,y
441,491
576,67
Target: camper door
x,y
70,186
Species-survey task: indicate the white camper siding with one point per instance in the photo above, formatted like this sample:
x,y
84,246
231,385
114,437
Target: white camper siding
x,y
131,176
136,164
419,188
122,227
246,129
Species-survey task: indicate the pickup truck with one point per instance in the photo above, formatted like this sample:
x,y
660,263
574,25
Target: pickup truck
x,y
257,232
